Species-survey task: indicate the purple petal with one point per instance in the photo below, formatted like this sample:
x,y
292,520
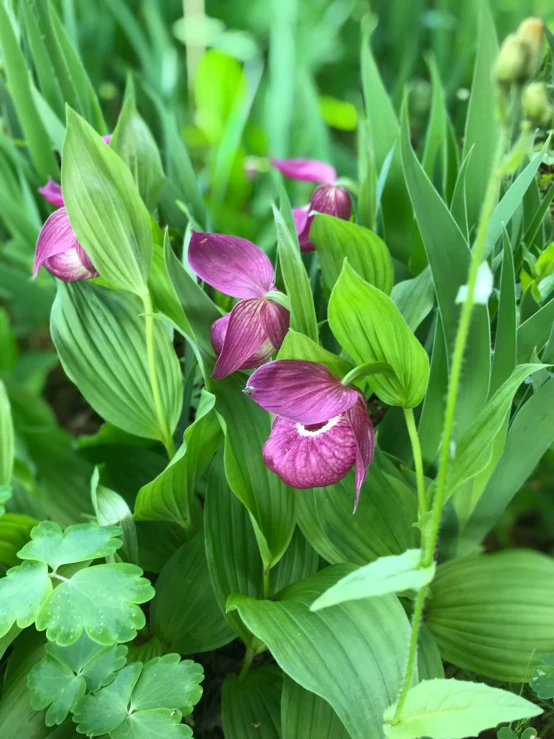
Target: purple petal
x,y
335,201
232,265
305,392
106,139
52,192
218,333
310,456
60,252
244,336
308,170
362,428
275,321
302,223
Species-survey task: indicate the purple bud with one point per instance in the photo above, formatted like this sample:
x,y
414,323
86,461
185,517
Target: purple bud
x,y
332,200
60,252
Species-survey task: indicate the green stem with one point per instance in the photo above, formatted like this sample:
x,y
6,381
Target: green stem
x,y
266,584
247,663
464,325
418,461
167,439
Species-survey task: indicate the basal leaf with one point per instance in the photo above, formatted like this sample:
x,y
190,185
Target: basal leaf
x,y
6,438
453,709
101,600
367,254
415,298
22,592
251,708
78,543
533,333
386,575
370,327
105,208
304,714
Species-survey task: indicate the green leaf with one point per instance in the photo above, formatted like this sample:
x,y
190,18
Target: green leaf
x,y
6,439
22,593
367,254
102,600
299,346
533,333
491,614
64,674
415,298
370,327
184,613
530,435
54,547
168,682
364,642
481,131
305,714
504,357
269,501
134,143
435,151
155,723
5,495
392,574
428,656
15,530
295,277
475,449
105,208
172,495
19,81
251,708
112,509
455,709
542,680
100,338
382,524
299,561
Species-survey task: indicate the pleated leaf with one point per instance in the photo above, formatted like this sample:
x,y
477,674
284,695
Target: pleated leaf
x,y
251,708
304,714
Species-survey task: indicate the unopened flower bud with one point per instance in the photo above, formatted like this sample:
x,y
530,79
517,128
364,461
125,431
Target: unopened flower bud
x,y
520,54
333,200
536,105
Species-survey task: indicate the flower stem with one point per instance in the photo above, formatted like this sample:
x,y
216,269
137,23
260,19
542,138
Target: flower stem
x,y
418,461
266,583
464,325
167,439
247,663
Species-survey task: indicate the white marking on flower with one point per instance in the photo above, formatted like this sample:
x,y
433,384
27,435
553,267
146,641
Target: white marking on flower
x,y
303,431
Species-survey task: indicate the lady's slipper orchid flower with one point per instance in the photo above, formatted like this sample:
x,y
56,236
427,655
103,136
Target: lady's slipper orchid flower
x,y
255,328
57,246
327,198
321,427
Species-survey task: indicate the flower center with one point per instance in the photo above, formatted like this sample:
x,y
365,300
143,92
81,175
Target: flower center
x,y
315,429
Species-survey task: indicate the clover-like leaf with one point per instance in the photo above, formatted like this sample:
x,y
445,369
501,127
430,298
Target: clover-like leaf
x,y
144,701
102,600
64,674
22,593
542,681
76,544
5,495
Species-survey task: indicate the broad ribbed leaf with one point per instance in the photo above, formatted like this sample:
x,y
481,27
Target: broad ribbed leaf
x,y
105,208
492,614
453,709
184,613
428,656
251,708
367,254
304,714
367,323
100,338
6,438
364,642
299,346
415,298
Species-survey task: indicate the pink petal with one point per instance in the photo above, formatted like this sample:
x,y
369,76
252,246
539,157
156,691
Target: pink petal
x,y
305,392
60,252
232,265
335,201
275,321
244,336
302,223
362,428
106,139
305,456
52,192
308,170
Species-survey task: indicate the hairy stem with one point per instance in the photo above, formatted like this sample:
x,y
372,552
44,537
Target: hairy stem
x,y
412,652
167,439
418,461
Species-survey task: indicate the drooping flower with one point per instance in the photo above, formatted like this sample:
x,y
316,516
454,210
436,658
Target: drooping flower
x,y
321,428
328,198
256,326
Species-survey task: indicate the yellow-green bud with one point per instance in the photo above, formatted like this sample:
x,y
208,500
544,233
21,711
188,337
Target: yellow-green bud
x,y
536,105
520,54
531,32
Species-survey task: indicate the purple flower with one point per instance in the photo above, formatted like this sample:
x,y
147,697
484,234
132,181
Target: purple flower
x,y
255,328
327,198
321,427
57,246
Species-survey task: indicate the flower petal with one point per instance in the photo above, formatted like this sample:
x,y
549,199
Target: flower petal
x,y
232,265
60,252
275,321
308,170
218,333
106,139
302,223
335,201
52,192
362,428
305,392
244,336
306,458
